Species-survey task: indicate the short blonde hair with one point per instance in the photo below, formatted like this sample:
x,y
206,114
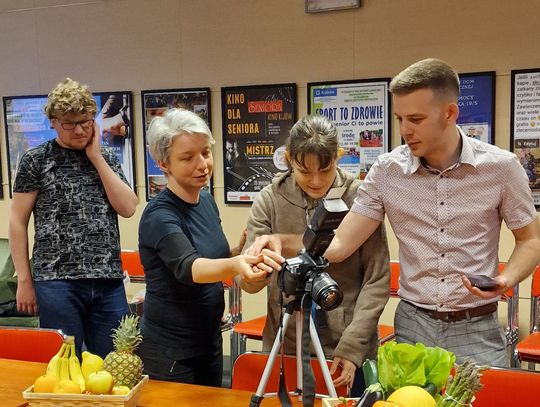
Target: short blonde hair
x,y
70,96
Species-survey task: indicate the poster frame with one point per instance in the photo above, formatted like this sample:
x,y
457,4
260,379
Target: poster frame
x,y
491,75
280,87
145,122
360,82
125,113
514,73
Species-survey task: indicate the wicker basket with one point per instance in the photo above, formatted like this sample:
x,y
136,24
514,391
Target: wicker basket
x,y
84,400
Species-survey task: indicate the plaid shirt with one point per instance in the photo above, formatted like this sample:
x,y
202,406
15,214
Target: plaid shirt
x,y
447,222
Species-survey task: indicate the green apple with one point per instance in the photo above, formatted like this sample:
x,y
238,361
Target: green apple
x,y
100,382
120,390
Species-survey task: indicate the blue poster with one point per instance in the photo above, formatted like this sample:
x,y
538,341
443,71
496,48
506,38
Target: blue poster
x,y
476,105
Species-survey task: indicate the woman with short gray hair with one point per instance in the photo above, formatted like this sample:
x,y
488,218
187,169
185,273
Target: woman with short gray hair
x,y
186,255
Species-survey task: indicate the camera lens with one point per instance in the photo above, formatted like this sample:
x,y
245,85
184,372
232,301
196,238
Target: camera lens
x,y
325,292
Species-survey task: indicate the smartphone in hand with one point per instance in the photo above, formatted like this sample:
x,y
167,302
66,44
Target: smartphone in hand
x,y
484,283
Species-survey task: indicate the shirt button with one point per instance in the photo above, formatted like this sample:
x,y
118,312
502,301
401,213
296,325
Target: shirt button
x,y
442,229
442,280
442,176
442,203
442,255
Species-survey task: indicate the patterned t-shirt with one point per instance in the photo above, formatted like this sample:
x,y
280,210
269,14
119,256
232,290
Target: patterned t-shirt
x,y
76,228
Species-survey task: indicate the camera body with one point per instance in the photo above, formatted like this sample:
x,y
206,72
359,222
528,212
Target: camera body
x,y
305,272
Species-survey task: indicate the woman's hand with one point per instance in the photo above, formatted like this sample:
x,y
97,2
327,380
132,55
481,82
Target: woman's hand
x,y
256,268
347,372
272,242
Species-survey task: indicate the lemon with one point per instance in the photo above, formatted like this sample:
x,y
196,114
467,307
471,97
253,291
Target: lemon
x,y
412,396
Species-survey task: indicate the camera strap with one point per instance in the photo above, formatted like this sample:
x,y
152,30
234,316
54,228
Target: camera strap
x,y
308,382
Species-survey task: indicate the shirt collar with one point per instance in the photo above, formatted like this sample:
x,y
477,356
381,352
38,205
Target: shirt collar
x,y
466,156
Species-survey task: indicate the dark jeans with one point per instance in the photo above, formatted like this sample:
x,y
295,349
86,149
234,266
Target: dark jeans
x,y
204,370
86,308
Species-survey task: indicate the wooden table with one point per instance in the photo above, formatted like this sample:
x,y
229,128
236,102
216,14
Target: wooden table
x,y
16,376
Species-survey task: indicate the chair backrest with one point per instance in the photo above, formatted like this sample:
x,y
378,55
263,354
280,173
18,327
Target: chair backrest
x,y
131,262
249,366
508,387
394,278
30,344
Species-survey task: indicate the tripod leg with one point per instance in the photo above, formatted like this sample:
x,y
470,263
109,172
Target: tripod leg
x,y
321,358
271,359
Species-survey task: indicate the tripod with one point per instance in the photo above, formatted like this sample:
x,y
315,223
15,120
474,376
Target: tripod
x,y
295,307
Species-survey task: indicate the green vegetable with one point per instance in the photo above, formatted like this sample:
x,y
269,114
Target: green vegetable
x,y
431,389
462,387
403,364
371,375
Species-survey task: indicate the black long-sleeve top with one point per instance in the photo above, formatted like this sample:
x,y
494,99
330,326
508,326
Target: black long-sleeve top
x,y
178,313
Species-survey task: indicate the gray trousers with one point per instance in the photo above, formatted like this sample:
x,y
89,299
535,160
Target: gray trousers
x,y
479,338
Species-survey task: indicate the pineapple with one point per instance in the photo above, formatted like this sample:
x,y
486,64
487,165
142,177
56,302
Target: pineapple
x,y
122,363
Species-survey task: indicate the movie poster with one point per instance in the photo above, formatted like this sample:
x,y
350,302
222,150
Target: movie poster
x,y
256,123
27,126
157,102
360,109
477,105
525,125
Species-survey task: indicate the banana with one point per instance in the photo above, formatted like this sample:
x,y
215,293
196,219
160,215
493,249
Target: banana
x,y
75,369
64,364
53,367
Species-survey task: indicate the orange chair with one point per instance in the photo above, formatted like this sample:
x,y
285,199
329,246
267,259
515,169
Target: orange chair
x,y
386,332
249,367
508,387
528,350
131,263
251,329
242,330
30,344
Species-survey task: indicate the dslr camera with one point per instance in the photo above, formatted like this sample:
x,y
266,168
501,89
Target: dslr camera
x,y
305,272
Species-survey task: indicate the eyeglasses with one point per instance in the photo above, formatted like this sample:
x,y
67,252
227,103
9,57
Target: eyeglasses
x,y
85,124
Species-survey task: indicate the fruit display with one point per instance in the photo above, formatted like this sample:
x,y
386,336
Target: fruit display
x,y
116,375
122,363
